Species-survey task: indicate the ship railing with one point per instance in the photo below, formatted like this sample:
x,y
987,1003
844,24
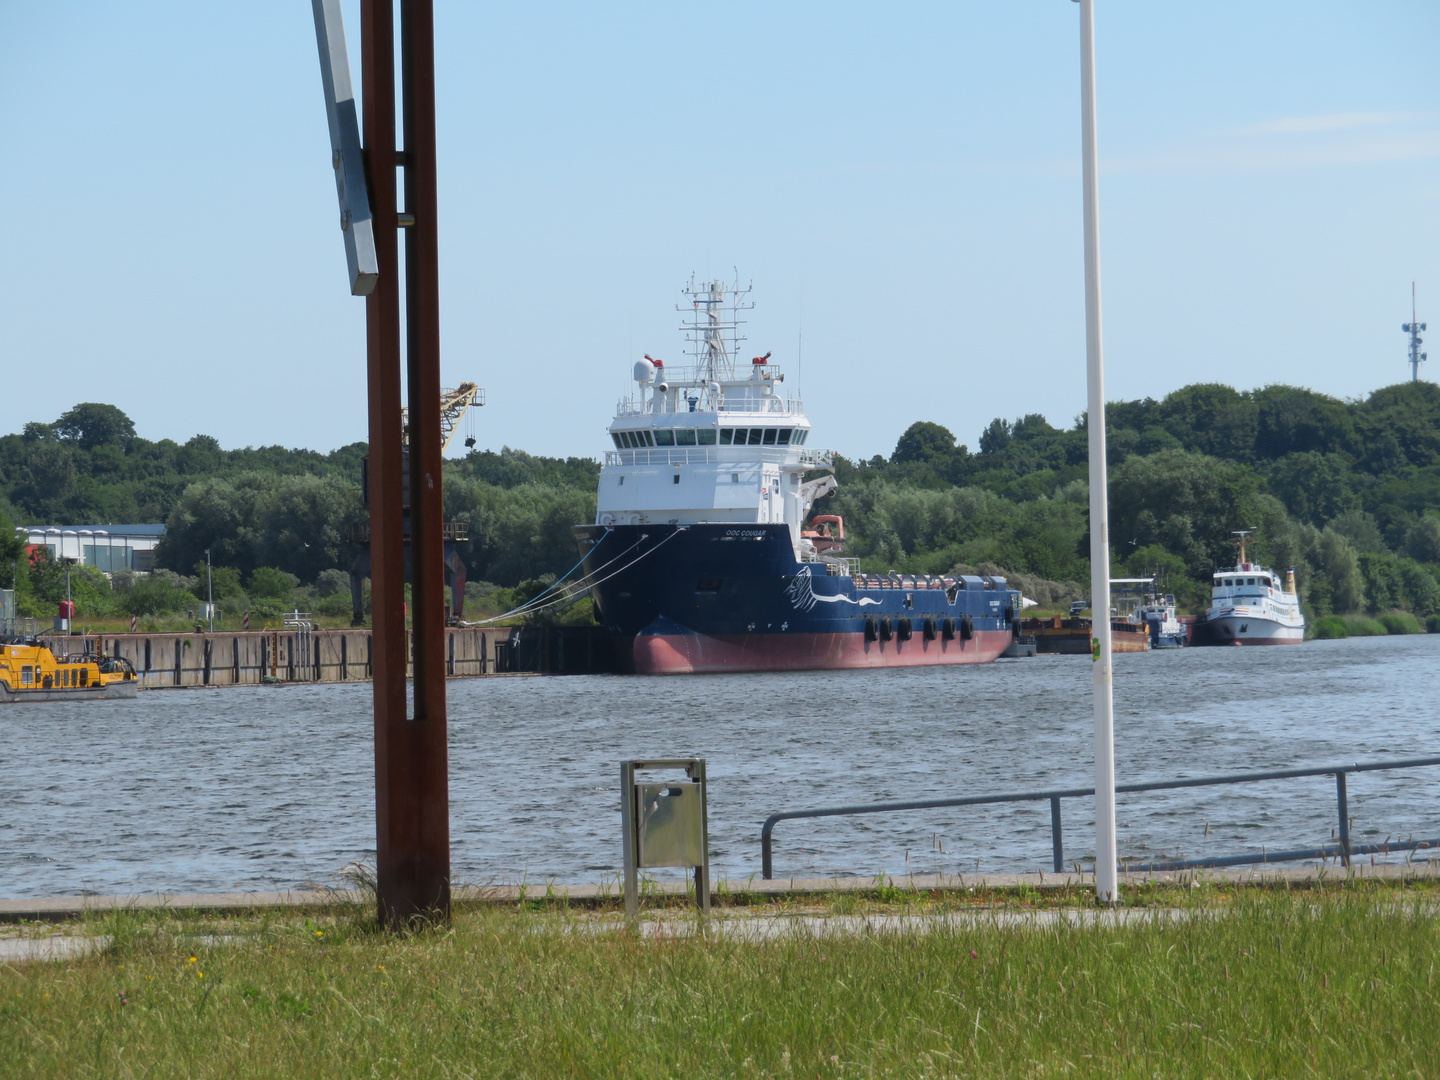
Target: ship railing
x,y
1342,849
713,455
835,565
758,405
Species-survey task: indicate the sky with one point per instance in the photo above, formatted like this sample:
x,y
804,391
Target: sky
x,y
901,183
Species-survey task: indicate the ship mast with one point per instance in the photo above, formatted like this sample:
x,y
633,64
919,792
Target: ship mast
x,y
1240,535
713,333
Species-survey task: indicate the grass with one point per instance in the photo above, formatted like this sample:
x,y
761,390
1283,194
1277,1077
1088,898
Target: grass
x,y
1401,622
1339,981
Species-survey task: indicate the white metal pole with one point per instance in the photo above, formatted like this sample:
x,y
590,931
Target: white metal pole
x,y
1107,887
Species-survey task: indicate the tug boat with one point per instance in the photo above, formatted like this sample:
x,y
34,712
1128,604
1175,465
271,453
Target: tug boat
x,y
30,671
700,558
1156,613
1249,606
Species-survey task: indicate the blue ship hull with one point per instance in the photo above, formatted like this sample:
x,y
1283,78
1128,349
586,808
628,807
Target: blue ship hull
x,y
681,598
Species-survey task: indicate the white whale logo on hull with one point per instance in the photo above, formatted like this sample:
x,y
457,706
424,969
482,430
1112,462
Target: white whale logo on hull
x,y
803,597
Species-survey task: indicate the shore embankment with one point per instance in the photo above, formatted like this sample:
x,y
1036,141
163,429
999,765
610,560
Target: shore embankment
x,y
290,655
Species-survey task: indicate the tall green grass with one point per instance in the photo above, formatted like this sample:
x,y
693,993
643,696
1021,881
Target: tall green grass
x,y
1401,622
1270,986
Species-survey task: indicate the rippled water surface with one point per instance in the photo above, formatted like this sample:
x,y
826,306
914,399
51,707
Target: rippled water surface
x,y
272,787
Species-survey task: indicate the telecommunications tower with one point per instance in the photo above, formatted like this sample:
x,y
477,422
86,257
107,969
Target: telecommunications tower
x,y
1413,328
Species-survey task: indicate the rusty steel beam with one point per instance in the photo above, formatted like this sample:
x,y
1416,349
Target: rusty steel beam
x,y
412,826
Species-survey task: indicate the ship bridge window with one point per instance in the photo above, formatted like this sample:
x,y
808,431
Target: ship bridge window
x,y
801,435
726,435
705,436
664,438
618,444
1249,581
769,439
782,437
756,434
685,436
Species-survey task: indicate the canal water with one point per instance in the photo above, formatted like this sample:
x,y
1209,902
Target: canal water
x,y
272,787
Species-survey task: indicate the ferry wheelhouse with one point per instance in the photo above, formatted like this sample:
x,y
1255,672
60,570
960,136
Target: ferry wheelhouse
x,y
703,555
1250,605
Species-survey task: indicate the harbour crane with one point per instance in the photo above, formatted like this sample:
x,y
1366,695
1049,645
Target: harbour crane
x,y
453,406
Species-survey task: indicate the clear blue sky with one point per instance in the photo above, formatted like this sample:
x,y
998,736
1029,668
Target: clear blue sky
x,y
905,178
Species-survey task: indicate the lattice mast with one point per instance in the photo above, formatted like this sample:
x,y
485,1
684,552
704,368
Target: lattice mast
x,y
1413,328
712,336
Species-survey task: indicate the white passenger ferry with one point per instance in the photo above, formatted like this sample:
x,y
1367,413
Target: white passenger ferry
x,y
1250,606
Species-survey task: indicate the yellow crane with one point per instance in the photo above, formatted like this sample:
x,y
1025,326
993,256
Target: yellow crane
x,y
453,405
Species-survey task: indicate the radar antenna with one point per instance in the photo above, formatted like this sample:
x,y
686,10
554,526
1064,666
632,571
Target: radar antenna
x,y
1413,328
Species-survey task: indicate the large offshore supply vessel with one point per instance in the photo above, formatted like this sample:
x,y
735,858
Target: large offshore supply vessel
x,y
703,556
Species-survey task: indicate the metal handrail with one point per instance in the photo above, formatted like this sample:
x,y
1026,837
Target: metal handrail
x,y
1343,849
711,455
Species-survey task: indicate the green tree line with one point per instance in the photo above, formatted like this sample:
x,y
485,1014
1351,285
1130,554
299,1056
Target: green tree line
x,y
1347,492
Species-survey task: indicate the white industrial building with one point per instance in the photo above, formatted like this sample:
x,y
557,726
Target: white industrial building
x,y
105,547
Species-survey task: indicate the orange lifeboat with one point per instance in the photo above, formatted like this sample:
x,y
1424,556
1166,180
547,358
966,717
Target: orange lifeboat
x,y
824,539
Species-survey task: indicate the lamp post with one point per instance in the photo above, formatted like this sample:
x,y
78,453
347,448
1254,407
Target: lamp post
x,y
209,592
1107,888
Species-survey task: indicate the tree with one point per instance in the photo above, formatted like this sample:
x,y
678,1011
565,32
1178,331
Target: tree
x,y
1314,486
12,550
925,443
92,424
1291,419
1213,419
271,582
996,437
1188,503
1422,541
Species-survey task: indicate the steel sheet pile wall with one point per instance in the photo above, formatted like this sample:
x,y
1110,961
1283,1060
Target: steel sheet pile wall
x,y
227,659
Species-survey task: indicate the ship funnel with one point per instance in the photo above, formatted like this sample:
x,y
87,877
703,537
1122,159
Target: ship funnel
x,y
1290,581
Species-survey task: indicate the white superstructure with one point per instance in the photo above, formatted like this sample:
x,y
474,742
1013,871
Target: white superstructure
x,y
707,443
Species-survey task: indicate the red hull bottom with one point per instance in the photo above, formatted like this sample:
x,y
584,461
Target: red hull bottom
x,y
678,654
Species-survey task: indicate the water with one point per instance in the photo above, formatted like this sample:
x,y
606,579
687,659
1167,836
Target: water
x,y
272,787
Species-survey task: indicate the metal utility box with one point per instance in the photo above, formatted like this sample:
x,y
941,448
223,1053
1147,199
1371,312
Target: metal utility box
x,y
665,824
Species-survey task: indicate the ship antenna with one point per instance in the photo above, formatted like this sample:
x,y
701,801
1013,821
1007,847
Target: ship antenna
x,y
1413,328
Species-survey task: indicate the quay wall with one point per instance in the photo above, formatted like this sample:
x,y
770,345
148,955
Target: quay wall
x,y
233,658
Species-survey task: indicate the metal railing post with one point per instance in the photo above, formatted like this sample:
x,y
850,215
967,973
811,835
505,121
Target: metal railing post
x,y
765,848
1342,799
1056,843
